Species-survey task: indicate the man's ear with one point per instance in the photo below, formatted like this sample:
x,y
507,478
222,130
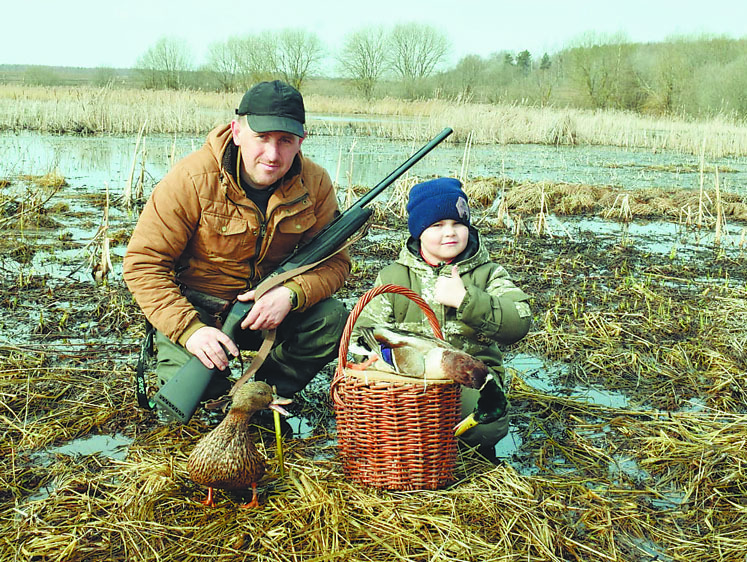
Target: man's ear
x,y
235,130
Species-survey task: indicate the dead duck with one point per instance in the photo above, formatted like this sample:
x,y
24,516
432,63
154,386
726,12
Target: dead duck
x,y
418,356
226,458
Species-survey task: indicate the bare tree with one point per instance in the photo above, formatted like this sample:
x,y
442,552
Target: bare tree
x,y
469,71
598,65
363,58
298,53
165,63
256,58
223,63
545,80
415,52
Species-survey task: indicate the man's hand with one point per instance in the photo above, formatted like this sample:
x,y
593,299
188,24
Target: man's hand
x,y
205,344
269,311
450,291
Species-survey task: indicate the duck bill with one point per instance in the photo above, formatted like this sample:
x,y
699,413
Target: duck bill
x,y
279,409
465,425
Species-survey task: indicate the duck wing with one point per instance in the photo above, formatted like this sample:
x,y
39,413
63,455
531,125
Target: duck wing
x,y
370,346
420,355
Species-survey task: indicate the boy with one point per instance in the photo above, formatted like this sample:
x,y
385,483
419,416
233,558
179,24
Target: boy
x,y
477,305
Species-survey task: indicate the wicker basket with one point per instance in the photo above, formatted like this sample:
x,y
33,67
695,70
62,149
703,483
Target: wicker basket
x,y
395,432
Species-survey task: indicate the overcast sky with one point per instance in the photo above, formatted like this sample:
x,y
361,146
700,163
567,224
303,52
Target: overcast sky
x,y
99,33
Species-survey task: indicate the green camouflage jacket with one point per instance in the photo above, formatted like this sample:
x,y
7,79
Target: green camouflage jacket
x,y
494,311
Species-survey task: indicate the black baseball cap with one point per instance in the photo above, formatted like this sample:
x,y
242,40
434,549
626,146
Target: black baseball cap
x,y
273,106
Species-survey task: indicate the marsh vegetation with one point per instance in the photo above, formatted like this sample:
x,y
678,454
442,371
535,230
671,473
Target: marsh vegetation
x,y
106,110
629,414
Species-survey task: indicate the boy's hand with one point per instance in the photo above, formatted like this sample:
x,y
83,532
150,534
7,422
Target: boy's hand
x,y
450,291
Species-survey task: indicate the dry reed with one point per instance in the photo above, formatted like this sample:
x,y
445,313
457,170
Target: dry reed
x,y
90,110
681,501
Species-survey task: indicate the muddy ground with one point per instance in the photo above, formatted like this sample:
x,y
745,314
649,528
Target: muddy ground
x,y
647,313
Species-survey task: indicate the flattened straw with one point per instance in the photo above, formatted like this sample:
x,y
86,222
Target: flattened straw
x,y
26,210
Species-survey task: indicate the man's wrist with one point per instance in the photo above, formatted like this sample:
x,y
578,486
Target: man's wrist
x,y
300,298
293,298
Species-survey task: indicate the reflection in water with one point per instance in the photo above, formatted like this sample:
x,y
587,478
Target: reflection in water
x,y
544,377
94,161
110,446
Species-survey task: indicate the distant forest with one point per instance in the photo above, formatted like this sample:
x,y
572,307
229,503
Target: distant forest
x,y
683,77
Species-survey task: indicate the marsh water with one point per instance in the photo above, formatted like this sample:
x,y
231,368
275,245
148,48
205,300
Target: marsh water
x,y
93,162
93,165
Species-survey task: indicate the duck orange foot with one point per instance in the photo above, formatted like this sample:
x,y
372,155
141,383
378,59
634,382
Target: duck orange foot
x,y
210,499
365,365
254,501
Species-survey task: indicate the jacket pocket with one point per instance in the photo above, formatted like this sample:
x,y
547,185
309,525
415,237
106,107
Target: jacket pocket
x,y
297,223
223,236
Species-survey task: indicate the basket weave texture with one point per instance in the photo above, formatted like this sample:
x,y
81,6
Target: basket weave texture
x,y
395,432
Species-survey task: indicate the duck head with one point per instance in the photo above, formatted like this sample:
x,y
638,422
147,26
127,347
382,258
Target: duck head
x,y
254,396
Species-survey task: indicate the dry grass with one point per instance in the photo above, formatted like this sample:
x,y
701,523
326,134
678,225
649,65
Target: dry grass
x,y
500,202
685,499
105,110
685,207
591,483
662,478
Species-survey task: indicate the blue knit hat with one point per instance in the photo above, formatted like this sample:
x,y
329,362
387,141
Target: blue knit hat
x,y
436,200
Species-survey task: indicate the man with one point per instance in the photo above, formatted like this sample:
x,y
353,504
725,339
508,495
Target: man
x,y
222,219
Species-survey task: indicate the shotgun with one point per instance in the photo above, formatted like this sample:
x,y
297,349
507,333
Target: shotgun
x,y
179,397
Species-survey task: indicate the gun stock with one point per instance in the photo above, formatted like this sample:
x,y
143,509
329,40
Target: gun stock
x,y
179,397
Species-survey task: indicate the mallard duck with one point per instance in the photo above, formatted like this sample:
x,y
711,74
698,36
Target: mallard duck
x,y
226,458
418,356
490,406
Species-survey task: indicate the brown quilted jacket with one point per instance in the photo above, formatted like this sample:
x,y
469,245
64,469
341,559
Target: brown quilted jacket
x,y
198,229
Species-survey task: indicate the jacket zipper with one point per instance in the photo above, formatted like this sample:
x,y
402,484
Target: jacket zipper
x,y
263,221
262,230
263,225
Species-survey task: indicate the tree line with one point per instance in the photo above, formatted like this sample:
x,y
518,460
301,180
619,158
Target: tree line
x,y
683,76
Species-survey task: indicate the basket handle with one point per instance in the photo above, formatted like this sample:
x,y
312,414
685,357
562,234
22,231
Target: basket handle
x,y
367,297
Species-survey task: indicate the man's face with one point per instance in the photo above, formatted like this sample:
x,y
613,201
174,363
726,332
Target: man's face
x,y
265,157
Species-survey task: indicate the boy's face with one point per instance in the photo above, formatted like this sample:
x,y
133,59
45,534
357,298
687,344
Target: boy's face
x,y
443,241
